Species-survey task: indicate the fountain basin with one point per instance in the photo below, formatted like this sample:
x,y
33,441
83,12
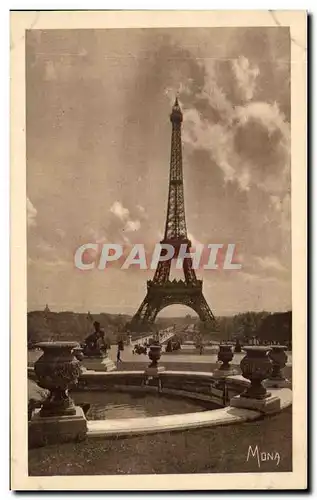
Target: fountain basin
x,y
105,405
198,386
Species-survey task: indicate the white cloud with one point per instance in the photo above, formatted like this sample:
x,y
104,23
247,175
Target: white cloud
x,y
119,210
177,90
214,94
270,262
217,139
59,263
268,114
53,263
246,76
142,212
132,225
264,137
251,147
249,143
248,276
31,213
123,214
96,236
126,240
45,248
282,205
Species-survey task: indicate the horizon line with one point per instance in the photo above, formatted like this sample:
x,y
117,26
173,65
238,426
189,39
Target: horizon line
x,y
164,317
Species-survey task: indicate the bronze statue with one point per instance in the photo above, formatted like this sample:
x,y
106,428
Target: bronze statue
x,y
95,343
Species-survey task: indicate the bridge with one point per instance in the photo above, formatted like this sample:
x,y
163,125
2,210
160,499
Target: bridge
x,y
163,335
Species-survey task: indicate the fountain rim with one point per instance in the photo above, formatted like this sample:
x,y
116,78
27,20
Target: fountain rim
x,y
183,421
62,344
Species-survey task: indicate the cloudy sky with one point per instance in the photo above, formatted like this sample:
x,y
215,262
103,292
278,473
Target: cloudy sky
x,y
98,147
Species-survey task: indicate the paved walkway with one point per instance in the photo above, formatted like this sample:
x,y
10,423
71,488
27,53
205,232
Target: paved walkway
x,y
189,357
181,357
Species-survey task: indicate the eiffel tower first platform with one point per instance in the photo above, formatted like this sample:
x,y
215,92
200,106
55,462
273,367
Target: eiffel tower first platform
x,y
161,291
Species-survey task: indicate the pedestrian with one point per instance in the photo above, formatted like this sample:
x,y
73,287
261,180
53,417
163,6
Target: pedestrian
x,y
119,356
120,348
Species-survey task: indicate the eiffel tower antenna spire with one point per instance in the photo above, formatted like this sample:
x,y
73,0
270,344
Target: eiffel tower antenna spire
x,y
161,292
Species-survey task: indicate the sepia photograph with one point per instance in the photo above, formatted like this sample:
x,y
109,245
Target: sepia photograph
x,y
164,298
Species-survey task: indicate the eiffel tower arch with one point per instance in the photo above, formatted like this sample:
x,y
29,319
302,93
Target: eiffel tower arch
x,y
161,291
172,292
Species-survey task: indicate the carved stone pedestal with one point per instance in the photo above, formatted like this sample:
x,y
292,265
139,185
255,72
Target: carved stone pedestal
x,y
57,429
153,371
256,366
271,404
59,420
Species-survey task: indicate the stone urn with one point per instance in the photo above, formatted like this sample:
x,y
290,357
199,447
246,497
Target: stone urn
x,y
57,370
155,354
278,357
256,366
225,355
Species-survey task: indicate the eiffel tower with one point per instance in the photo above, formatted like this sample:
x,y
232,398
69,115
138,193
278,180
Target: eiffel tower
x,y
161,291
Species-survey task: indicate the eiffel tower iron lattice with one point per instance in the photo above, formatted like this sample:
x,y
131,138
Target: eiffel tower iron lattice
x,y
161,291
